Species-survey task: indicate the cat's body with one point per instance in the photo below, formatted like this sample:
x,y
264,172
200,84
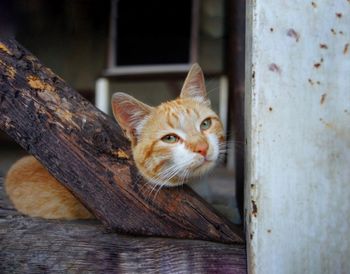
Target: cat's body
x,y
171,143
35,192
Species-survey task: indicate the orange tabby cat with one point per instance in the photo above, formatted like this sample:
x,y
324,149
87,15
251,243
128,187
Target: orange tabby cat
x,y
171,143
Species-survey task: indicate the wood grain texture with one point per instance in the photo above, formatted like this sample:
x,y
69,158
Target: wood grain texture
x,y
86,151
33,245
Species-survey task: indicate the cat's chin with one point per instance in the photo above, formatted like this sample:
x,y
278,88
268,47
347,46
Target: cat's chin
x,y
204,168
196,172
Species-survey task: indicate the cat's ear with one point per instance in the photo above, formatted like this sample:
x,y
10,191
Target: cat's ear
x,y
194,86
129,113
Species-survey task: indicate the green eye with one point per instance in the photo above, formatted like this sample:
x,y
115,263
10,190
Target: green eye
x,y
170,138
206,124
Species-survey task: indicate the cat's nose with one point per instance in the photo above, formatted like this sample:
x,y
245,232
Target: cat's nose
x,y
201,148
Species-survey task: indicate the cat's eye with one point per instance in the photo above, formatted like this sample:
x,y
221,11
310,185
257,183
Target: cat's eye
x,y
205,124
170,138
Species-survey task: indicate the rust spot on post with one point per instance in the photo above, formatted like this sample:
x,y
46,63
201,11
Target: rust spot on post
x,y
313,4
317,65
273,67
339,14
346,48
270,108
333,31
323,46
254,209
323,98
292,33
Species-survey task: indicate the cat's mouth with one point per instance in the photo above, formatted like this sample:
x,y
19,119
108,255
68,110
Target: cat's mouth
x,y
208,160
205,164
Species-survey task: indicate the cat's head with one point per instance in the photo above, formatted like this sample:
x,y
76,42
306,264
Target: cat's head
x,y
176,140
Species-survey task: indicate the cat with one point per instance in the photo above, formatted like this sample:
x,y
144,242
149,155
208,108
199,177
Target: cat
x,y
171,143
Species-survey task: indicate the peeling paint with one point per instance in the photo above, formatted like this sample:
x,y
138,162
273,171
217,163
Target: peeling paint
x,y
36,83
4,48
121,154
66,116
50,97
10,71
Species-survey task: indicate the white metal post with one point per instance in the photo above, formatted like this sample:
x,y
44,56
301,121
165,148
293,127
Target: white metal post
x,y
298,136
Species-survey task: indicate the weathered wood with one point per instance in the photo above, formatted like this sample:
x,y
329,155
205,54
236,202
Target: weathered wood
x,y
33,245
86,151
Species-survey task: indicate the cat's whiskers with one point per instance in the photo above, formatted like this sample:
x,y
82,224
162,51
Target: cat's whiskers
x,y
236,145
145,186
160,187
170,172
184,178
154,183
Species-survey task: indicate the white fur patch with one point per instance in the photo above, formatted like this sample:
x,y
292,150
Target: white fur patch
x,y
182,157
214,144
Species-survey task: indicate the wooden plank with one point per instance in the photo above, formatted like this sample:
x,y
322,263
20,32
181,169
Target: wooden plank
x,y
33,245
87,152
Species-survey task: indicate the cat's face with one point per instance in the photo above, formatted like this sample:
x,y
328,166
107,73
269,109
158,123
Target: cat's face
x,y
177,140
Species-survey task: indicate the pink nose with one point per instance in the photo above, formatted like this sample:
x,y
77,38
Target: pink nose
x,y
201,148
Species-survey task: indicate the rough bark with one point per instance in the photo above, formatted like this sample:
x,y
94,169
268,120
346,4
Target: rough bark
x,y
86,247
86,151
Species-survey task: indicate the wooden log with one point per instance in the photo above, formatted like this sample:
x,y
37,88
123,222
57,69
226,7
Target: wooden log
x,y
86,151
33,245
